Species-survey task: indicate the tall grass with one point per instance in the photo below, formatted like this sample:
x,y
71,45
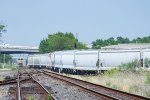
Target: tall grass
x,y
131,66
125,78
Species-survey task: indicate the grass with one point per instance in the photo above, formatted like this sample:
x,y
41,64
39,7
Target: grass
x,y
31,98
126,78
147,78
8,66
49,97
1,78
132,82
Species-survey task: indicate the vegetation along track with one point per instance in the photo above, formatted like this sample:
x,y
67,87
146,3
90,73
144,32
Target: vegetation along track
x,y
97,90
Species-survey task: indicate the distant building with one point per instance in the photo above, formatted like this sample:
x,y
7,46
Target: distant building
x,y
127,46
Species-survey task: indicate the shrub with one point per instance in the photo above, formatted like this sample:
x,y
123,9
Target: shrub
x,y
111,72
108,84
147,62
131,66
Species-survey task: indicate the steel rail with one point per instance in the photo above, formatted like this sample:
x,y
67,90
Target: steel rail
x,y
41,86
97,94
115,94
18,88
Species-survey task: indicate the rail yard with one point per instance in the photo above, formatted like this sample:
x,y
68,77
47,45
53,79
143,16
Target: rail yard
x,y
52,76
43,84
75,50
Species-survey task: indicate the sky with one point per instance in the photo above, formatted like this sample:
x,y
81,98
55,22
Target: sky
x,y
30,21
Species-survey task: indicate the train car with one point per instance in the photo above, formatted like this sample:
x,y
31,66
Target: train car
x,y
95,60
39,60
63,60
86,60
113,58
45,60
30,61
34,60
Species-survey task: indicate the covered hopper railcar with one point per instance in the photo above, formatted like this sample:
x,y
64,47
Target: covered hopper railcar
x,y
39,60
88,60
114,58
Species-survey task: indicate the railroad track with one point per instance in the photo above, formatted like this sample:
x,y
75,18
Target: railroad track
x,y
97,90
26,88
31,89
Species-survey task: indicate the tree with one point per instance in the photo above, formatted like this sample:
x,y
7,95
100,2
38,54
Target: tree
x,y
7,56
111,41
141,40
119,40
98,44
123,40
43,45
60,41
101,43
2,30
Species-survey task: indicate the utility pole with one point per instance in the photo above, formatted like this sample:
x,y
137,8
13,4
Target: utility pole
x,y
4,60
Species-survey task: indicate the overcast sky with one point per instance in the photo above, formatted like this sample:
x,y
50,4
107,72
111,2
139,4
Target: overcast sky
x,y
29,21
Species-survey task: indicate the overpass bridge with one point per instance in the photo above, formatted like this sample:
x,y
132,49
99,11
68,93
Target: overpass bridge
x,y
10,49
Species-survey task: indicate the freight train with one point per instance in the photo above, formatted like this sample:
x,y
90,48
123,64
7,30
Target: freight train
x,y
87,60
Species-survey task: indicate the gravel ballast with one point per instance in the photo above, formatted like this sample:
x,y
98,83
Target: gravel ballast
x,y
62,90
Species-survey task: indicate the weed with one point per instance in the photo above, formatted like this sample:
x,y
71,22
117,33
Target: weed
x,y
49,97
147,78
147,62
111,72
147,93
134,88
114,87
31,98
108,84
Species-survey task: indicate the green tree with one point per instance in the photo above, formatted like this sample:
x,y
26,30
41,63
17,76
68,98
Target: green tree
x,y
2,30
137,40
43,45
122,40
98,44
8,58
111,41
60,41
101,43
141,40
119,40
